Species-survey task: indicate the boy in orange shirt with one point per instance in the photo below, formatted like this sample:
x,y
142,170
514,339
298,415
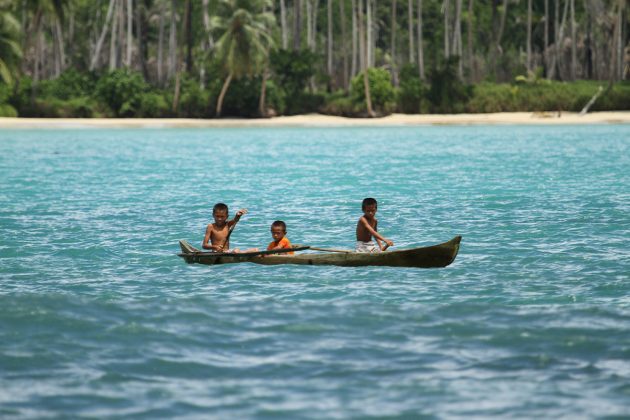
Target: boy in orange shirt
x,y
280,241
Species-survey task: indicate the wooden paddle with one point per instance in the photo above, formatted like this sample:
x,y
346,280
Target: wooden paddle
x,y
227,238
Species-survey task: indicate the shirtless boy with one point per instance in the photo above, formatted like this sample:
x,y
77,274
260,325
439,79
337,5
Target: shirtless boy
x,y
278,233
217,232
367,227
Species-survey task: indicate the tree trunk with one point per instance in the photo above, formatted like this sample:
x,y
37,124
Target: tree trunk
x,y
224,89
209,44
172,41
620,45
344,43
546,38
588,56
99,43
362,47
129,32
471,59
297,24
283,25
556,28
392,48
189,35
329,64
121,34
160,52
447,29
180,57
529,37
263,95
420,42
355,39
309,25
368,31
61,62
457,38
556,58
573,43
112,41
142,39
410,28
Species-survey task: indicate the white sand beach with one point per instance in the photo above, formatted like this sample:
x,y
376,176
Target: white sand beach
x,y
318,120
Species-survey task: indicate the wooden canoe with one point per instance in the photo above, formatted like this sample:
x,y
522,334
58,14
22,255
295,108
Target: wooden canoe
x,y
425,257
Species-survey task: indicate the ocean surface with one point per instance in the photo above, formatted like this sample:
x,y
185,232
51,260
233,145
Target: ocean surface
x,y
100,319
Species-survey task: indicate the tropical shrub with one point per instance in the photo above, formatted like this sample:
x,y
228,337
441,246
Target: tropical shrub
x,y
447,94
411,90
70,84
153,105
381,90
121,91
292,70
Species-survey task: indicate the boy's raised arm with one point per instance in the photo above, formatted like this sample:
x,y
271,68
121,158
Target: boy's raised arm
x,y
238,215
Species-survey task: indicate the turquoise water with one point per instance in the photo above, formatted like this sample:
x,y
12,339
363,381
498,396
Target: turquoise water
x,y
99,318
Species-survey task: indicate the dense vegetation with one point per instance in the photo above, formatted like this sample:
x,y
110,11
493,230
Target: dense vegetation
x,y
209,58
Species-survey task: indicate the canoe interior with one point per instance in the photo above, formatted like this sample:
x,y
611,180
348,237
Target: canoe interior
x,y
434,256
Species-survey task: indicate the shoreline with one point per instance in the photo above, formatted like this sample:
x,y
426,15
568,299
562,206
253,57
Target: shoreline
x,y
319,120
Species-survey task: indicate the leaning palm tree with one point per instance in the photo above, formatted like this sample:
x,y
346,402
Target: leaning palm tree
x,y
10,50
245,40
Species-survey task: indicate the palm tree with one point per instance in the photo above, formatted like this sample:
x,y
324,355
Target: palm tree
x,y
10,50
41,9
244,45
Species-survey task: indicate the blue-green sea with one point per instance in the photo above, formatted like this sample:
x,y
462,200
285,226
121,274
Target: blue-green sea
x,y
99,318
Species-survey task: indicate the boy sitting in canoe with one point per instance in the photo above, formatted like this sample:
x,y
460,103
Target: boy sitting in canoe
x,y
367,227
218,233
280,241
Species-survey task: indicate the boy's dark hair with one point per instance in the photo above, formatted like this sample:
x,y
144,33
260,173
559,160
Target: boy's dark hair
x,y
279,223
220,207
368,202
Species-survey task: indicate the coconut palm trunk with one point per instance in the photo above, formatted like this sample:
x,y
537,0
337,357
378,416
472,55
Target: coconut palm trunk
x,y
471,57
529,37
344,44
263,95
226,85
362,48
393,45
410,29
329,53
420,42
101,38
283,25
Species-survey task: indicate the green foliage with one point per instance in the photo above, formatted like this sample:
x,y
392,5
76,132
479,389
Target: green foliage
x,y
547,96
411,90
381,90
10,51
70,84
195,102
447,94
245,36
292,70
153,105
6,110
341,105
121,91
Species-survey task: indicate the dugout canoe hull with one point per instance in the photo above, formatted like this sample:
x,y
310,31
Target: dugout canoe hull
x,y
435,256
